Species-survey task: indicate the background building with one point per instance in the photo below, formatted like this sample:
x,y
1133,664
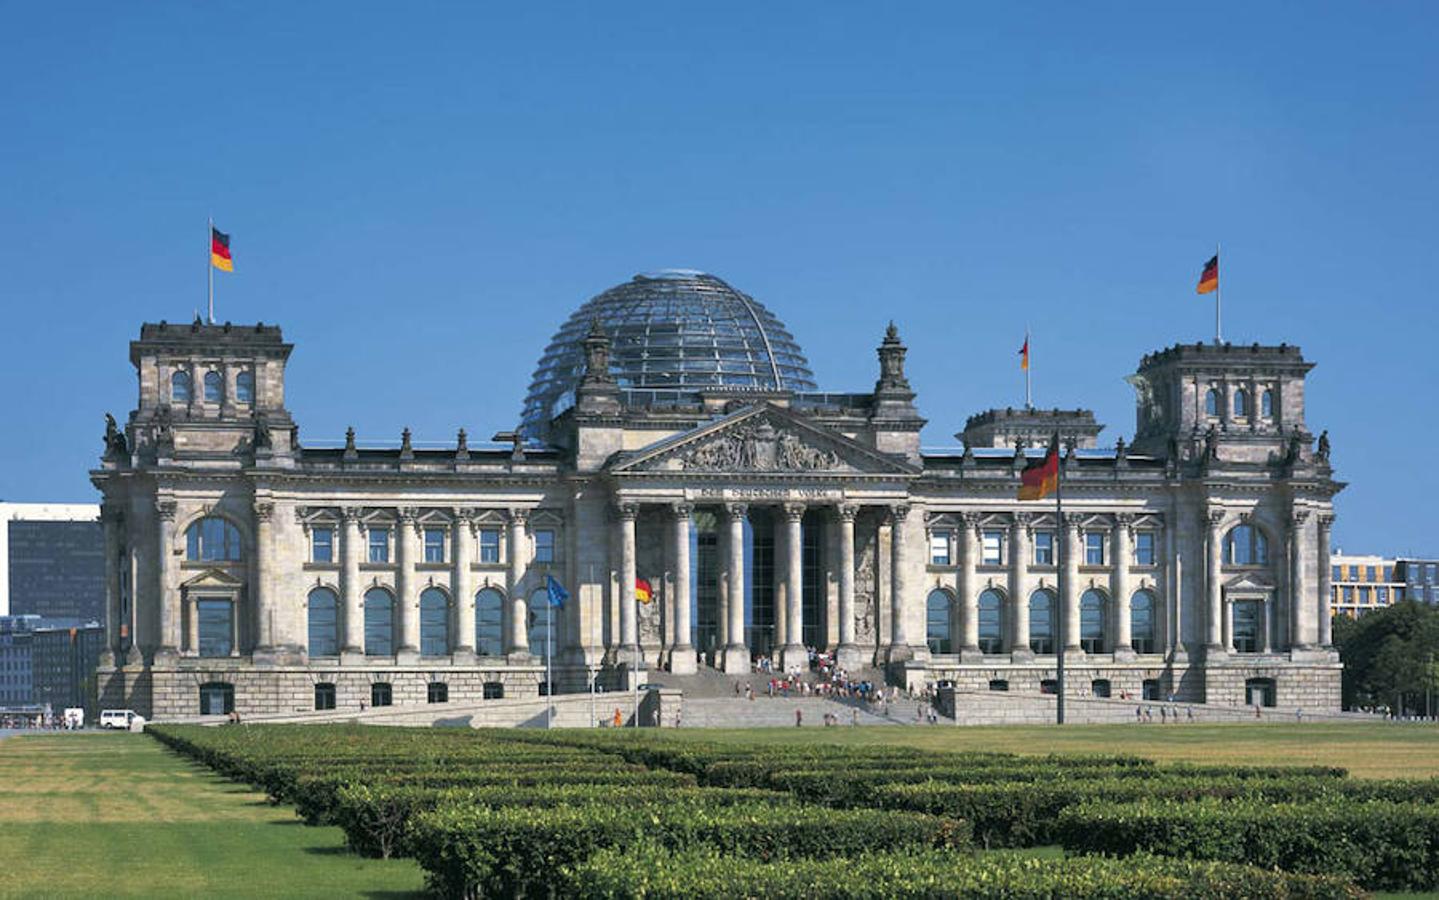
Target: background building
x,y
675,435
1364,583
1421,579
52,560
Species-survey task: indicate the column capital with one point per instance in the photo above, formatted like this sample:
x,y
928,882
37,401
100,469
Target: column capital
x,y
463,515
627,511
736,510
1297,517
846,512
1326,521
1022,519
517,515
682,511
166,510
794,511
1214,517
1072,521
898,512
1124,520
264,509
407,515
350,514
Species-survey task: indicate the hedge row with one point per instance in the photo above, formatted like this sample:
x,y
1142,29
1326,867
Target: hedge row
x,y
649,872
1379,844
1026,814
518,851
375,818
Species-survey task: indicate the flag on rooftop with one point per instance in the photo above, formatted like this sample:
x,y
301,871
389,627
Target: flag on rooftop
x,y
1209,278
220,250
1024,355
1040,479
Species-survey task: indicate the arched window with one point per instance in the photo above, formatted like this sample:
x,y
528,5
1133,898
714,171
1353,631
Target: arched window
x,y
1141,622
1241,402
1041,622
214,387
323,609
434,622
489,618
991,621
212,539
379,622
180,387
541,615
245,387
937,632
217,698
1246,545
1091,621
1266,404
1211,403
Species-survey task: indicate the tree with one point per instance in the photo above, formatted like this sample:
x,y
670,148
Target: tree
x,y
1390,656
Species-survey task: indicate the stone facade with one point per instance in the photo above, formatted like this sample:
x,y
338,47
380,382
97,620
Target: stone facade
x,y
764,521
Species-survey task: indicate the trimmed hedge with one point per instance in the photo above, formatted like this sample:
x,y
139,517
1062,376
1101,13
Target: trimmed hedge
x,y
1379,844
518,852
706,875
375,817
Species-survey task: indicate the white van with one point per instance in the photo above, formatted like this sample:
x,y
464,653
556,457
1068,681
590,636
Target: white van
x,y
117,718
74,718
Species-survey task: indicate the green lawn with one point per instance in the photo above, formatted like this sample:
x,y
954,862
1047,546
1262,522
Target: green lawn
x,y
91,815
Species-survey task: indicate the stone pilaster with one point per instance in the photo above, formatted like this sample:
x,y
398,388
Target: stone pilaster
x,y
112,521
352,650
1302,611
464,585
1326,583
1213,582
682,653
1123,553
262,584
629,649
736,654
793,654
168,593
899,648
1070,599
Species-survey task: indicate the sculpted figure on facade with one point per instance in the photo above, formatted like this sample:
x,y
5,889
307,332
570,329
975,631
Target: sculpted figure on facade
x,y
761,448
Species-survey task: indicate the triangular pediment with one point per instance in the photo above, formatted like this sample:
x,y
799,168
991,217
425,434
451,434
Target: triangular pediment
x,y
212,579
1249,581
762,439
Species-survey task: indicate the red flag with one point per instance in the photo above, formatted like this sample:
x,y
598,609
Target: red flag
x,y
1040,479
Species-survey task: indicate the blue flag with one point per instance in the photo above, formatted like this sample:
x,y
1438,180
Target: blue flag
x,y
557,592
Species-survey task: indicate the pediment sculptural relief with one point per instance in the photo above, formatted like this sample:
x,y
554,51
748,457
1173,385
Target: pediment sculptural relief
x,y
757,447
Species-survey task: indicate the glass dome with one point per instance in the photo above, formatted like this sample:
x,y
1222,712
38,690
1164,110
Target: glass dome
x,y
674,330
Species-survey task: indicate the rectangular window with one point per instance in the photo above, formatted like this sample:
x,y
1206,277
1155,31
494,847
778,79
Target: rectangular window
x,y
1388,573
544,546
992,548
322,545
1381,594
1337,573
1044,548
379,545
1371,573
1431,573
1413,592
215,626
489,545
939,547
434,545
1094,548
1144,548
1348,595
1364,595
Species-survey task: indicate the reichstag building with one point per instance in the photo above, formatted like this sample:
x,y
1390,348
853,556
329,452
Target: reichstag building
x,y
705,505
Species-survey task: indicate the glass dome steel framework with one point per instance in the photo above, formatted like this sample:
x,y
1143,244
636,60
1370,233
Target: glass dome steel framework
x,y
676,331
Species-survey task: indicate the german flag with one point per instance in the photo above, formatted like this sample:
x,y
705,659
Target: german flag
x,y
220,250
1209,278
643,592
1040,479
1024,355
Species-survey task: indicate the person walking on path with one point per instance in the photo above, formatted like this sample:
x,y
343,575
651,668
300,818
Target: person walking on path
x,y
798,717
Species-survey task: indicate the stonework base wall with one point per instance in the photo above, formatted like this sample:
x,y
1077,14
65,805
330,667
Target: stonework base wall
x,y
1304,686
1078,679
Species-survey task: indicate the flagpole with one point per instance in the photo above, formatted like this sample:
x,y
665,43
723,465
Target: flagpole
x,y
209,266
1218,302
1028,393
549,679
1062,534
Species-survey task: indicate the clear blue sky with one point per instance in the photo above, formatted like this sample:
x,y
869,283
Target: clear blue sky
x,y
421,193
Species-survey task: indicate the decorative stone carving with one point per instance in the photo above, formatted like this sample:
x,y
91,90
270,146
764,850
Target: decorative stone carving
x,y
264,509
847,511
1322,453
758,447
166,509
682,511
115,444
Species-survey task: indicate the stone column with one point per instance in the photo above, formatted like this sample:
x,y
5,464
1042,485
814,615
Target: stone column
x,y
968,588
227,394
899,648
517,634
682,653
1018,580
112,521
464,585
736,654
407,553
1213,582
847,655
1070,599
1302,610
351,546
794,655
262,585
780,580
629,649
1266,643
1119,585
1326,583
192,626
1228,627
